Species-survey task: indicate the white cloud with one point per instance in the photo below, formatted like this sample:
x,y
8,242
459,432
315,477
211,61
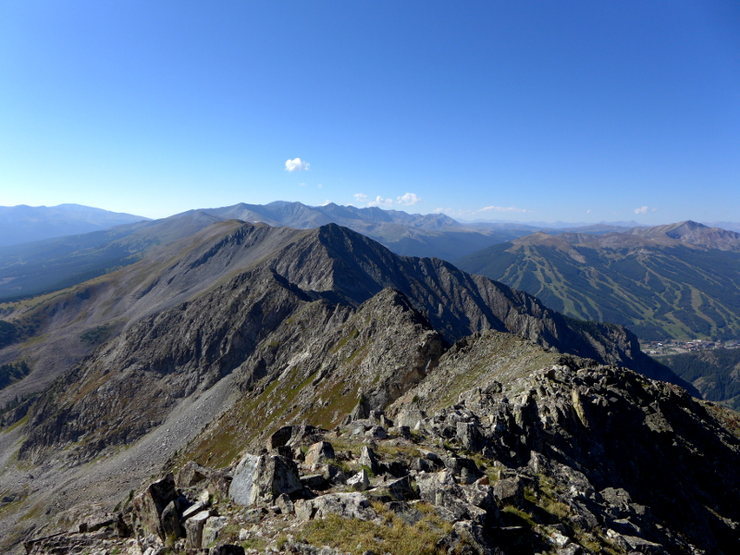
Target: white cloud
x,y
589,211
641,210
408,199
503,209
319,185
296,165
301,184
381,202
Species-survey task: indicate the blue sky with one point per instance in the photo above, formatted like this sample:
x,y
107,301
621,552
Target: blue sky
x,y
524,111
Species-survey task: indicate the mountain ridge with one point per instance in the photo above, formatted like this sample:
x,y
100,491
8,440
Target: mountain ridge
x,y
23,224
664,281
329,261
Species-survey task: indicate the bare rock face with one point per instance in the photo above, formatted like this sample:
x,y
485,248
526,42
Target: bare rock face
x,y
262,478
194,529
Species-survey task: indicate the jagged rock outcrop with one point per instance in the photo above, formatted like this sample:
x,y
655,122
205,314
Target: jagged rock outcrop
x,y
571,457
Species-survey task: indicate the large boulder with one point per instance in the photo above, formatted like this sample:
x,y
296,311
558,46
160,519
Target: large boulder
x,y
360,481
320,452
170,522
262,478
149,505
194,529
212,529
346,505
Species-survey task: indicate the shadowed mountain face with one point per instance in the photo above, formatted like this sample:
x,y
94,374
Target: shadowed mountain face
x,y
23,224
715,373
677,281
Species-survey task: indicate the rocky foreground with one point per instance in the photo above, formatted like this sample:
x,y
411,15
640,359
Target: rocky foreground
x,y
572,458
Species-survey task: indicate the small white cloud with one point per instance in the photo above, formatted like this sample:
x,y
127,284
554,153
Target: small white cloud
x,y
589,211
408,199
360,197
319,185
301,184
381,202
641,210
296,165
503,209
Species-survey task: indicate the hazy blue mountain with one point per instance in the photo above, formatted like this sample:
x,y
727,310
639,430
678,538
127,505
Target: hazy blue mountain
x,y
432,235
679,280
731,226
23,224
33,268
42,266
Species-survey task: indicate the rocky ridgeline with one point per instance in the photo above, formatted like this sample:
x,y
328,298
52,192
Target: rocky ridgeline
x,y
572,458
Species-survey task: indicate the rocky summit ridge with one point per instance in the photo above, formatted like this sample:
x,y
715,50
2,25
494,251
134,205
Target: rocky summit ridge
x,y
574,457
212,348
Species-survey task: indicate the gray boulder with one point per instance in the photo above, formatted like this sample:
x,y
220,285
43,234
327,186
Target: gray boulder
x,y
369,460
170,522
346,505
399,489
319,453
212,529
262,478
192,473
360,481
441,490
194,529
149,505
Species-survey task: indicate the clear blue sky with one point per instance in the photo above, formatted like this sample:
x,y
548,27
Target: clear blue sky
x,y
516,110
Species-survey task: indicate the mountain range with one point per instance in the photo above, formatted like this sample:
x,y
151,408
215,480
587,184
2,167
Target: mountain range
x,y
25,224
674,281
715,373
210,344
43,266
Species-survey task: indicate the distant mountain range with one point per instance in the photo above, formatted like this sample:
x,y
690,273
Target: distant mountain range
x,y
43,266
433,235
23,224
673,281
